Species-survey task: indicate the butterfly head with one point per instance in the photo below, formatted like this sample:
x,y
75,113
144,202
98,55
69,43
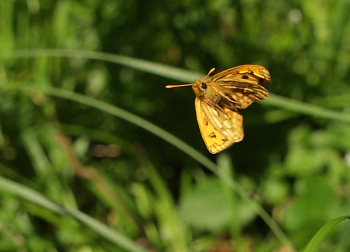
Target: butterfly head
x,y
200,87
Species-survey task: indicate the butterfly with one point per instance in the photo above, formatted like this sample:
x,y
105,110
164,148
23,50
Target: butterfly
x,y
218,99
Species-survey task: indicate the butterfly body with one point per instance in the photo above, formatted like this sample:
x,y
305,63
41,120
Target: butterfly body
x,y
218,99
204,89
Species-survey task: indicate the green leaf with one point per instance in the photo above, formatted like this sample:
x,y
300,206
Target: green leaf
x,y
206,207
304,213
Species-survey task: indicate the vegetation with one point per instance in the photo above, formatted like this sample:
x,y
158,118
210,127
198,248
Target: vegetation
x,y
96,155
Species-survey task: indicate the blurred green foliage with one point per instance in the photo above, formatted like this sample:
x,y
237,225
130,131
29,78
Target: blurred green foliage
x,y
295,166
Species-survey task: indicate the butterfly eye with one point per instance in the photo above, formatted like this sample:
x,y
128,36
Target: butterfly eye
x,y
245,77
204,85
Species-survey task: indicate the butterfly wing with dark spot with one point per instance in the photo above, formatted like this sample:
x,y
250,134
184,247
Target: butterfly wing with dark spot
x,y
220,128
242,85
242,94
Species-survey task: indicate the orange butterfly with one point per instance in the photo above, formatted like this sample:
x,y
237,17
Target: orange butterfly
x,y
218,99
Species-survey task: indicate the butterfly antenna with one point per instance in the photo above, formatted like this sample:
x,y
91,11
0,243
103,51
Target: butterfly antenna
x,y
210,71
180,85
190,84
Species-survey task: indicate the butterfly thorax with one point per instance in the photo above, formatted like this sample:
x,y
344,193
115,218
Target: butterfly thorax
x,y
205,90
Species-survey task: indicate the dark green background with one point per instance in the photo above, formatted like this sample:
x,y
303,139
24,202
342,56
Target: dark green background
x,y
295,165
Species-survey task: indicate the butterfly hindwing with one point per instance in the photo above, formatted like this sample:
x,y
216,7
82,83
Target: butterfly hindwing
x,y
220,128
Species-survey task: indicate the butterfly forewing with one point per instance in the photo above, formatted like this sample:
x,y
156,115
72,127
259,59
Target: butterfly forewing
x,y
255,74
242,94
220,128
242,85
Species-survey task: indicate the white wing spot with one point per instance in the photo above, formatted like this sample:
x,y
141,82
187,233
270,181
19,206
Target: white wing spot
x,y
217,122
228,124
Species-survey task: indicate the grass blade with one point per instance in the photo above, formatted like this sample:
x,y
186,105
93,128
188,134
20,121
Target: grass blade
x,y
321,234
138,64
100,228
173,73
304,108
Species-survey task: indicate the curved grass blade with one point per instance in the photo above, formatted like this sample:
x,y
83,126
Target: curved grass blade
x,y
100,228
304,108
174,73
138,64
321,234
